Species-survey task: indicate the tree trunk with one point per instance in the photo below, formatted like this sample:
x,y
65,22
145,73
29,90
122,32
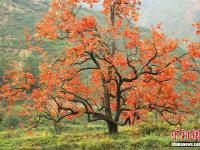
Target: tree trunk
x,y
112,128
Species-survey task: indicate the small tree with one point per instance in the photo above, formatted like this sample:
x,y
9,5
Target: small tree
x,y
36,99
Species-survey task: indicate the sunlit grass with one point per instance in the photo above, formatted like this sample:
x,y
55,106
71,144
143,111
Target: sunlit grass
x,y
82,137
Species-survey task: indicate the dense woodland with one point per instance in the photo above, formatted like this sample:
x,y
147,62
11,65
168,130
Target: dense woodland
x,y
76,78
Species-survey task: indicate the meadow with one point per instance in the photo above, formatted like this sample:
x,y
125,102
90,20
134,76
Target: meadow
x,y
92,137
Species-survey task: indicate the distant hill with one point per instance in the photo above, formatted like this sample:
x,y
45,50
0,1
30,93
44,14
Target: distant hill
x,y
176,16
15,16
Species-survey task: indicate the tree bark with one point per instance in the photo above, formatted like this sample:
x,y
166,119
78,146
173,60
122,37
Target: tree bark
x,y
112,128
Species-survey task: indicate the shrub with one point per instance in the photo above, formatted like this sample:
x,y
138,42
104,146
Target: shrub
x,y
158,128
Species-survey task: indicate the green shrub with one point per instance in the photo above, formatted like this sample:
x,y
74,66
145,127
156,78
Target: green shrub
x,y
10,121
158,128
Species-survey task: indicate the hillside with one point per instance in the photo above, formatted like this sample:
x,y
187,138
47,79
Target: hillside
x,y
176,17
16,15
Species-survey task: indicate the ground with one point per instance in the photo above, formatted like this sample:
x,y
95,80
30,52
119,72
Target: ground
x,y
88,137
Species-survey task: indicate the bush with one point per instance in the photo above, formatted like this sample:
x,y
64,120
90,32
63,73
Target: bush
x,y
10,121
158,128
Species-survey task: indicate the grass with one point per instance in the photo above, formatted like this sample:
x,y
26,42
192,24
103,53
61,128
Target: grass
x,y
92,137
83,137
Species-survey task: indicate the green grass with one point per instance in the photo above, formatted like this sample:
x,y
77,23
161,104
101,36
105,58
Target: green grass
x,y
92,137
83,137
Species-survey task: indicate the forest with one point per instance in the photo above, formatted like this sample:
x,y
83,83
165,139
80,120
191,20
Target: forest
x,y
85,74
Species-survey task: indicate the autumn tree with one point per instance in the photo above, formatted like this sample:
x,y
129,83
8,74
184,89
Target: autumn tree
x,y
35,96
128,75
193,65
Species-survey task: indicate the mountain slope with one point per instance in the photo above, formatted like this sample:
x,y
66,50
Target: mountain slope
x,y
176,16
15,16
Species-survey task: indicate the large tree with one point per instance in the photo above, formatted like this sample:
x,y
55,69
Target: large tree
x,y
126,74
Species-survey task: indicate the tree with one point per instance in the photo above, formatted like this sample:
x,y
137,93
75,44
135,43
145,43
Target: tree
x,y
127,75
38,105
